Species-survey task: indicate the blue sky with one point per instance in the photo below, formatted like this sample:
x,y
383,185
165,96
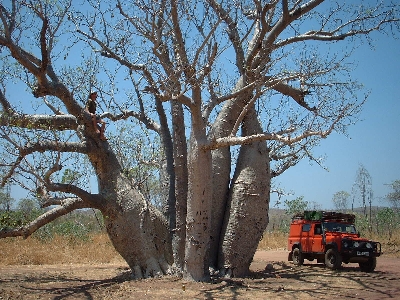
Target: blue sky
x,y
373,142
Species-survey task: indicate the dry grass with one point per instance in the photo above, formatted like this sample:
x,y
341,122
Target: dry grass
x,y
98,249
390,245
273,241
60,250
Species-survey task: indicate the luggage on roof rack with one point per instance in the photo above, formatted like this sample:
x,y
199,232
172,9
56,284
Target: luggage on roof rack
x,y
315,215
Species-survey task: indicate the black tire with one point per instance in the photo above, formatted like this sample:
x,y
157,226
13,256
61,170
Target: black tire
x,y
297,257
368,266
333,260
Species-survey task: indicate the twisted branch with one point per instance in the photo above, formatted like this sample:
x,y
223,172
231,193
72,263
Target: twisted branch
x,y
67,206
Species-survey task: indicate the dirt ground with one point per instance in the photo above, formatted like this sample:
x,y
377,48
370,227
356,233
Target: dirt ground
x,y
272,277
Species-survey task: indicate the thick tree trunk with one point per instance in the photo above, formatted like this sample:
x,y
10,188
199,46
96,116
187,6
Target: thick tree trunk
x,y
198,219
181,185
248,205
221,172
221,168
167,176
137,231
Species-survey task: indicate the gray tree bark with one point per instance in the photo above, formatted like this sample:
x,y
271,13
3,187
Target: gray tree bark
x,y
221,172
247,214
138,232
198,218
181,184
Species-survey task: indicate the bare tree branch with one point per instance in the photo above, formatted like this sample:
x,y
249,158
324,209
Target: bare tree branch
x,y
7,108
40,69
188,68
43,146
232,33
283,138
43,46
231,141
286,19
44,122
53,109
67,205
340,32
296,94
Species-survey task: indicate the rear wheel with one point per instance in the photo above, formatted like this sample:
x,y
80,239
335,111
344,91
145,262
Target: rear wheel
x,y
333,259
368,266
297,257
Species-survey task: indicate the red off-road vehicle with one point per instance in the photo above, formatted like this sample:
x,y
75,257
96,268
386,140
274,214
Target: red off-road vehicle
x,y
330,238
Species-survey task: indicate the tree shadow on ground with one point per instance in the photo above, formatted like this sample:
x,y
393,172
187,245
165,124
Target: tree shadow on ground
x,y
317,281
64,286
279,280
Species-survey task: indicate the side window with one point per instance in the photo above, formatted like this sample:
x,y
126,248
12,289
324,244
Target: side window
x,y
306,227
317,229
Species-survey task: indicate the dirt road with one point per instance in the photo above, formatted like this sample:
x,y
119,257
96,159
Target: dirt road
x,y
272,277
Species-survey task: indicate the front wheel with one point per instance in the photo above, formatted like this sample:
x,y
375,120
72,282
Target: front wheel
x,y
368,266
333,259
297,257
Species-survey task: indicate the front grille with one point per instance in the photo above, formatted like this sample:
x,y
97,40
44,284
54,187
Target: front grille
x,y
351,246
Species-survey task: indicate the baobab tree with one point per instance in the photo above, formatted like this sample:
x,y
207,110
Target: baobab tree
x,y
235,92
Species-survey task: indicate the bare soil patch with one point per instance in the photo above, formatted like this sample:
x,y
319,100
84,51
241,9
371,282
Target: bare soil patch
x,y
272,276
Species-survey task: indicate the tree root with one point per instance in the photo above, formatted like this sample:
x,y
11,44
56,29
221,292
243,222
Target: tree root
x,y
154,268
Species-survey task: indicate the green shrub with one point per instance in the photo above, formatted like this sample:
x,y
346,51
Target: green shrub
x,y
16,218
77,226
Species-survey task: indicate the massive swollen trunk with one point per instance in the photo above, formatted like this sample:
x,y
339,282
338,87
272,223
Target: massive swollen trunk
x,y
247,214
138,232
221,166
221,172
198,218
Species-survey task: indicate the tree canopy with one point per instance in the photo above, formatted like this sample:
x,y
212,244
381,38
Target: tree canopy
x,y
228,94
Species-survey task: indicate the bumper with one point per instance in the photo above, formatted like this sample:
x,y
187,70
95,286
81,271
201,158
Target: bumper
x,y
376,251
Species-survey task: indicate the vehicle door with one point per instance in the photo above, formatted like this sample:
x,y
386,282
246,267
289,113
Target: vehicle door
x,y
306,238
316,244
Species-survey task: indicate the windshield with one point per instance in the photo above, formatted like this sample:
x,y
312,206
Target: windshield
x,y
339,227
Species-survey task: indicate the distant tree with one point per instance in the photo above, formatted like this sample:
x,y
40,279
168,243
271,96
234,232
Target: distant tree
x,y
362,223
27,206
387,222
394,196
296,206
362,190
6,201
142,162
25,212
340,200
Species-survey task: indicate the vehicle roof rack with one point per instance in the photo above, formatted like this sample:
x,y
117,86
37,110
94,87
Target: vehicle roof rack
x,y
315,215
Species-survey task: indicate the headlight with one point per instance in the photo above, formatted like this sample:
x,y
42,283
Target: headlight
x,y
356,244
347,243
368,245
